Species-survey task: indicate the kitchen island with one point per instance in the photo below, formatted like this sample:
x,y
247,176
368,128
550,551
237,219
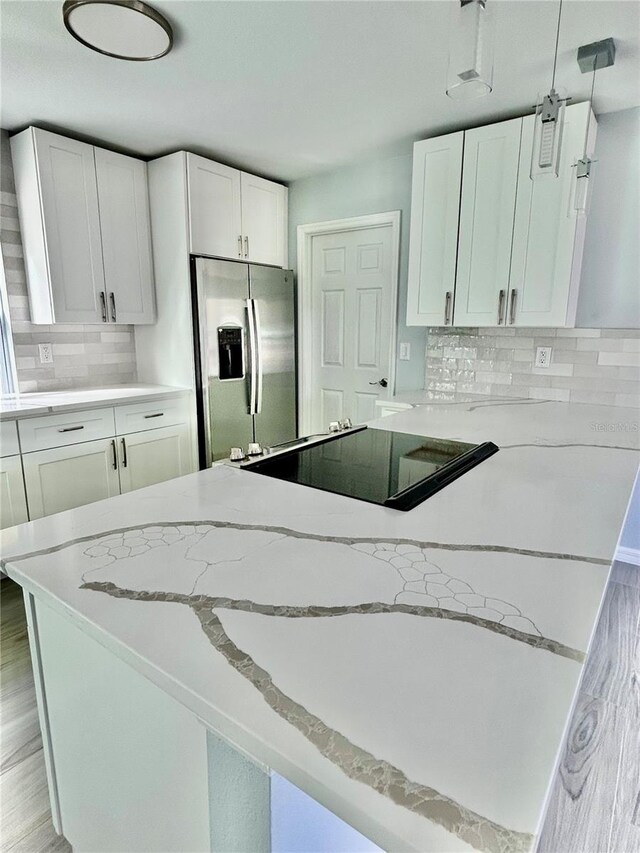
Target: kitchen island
x,y
412,672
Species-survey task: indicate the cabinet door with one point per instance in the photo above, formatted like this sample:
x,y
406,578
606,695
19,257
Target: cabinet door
x,y
69,207
13,502
435,203
214,208
490,176
264,221
548,237
153,456
66,477
123,200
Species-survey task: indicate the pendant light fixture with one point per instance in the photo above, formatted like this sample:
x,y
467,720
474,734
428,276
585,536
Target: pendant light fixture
x,y
547,134
470,73
591,57
124,29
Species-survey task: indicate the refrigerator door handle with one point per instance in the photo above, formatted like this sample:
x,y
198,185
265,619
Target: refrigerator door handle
x,y
258,331
253,358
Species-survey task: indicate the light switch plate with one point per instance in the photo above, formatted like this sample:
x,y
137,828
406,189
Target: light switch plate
x,y
405,352
46,353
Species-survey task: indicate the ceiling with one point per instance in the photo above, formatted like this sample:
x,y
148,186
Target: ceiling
x,y
288,89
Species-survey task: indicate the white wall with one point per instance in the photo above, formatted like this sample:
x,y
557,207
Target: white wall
x,y
610,286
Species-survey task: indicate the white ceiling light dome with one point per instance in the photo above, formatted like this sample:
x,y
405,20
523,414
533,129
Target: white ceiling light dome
x,y
124,29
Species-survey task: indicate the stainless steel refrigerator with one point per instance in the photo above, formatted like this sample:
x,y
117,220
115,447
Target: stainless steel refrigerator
x,y
245,339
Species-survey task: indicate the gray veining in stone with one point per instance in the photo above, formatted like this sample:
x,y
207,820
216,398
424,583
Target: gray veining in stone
x,y
357,763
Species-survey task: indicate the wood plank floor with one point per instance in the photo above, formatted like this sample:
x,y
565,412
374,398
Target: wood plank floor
x,y
595,802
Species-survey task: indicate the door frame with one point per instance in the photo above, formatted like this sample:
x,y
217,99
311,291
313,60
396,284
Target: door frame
x,y
305,234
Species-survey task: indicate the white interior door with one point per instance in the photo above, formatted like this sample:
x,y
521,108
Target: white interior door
x,y
352,290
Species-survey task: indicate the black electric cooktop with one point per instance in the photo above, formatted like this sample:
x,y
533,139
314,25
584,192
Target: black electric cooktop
x,y
393,469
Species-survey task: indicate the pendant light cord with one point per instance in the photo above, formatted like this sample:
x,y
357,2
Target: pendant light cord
x,y
593,86
555,56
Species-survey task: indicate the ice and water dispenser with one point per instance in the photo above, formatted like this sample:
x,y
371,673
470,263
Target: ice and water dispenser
x,y
230,352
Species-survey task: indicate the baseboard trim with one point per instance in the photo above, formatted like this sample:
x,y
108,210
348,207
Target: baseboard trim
x,y
628,555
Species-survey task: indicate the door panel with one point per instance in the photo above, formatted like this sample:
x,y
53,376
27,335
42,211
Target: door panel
x,y
214,208
154,456
353,317
487,208
13,502
273,292
223,293
435,203
67,477
264,220
72,226
126,236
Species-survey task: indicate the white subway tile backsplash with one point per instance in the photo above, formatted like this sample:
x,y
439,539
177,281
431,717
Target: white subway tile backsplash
x,y
587,366
620,359
83,355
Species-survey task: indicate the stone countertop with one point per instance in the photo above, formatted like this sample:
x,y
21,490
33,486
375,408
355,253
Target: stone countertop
x,y
16,406
411,671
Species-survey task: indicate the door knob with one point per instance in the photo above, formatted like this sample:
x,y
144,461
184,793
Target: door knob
x,y
381,382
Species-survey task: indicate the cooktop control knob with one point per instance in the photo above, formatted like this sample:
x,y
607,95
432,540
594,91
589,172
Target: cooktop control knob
x,y
236,454
345,423
254,449
334,426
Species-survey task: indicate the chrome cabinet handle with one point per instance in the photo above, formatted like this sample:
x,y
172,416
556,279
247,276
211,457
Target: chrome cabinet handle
x,y
124,453
246,247
157,415
103,306
512,307
239,245
112,301
447,307
70,429
500,306
115,454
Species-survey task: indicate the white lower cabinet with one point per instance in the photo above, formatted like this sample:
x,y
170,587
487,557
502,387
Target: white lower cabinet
x,y
66,477
153,456
13,502
48,478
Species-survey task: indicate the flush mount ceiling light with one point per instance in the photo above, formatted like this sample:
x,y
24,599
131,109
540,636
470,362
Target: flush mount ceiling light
x,y
470,73
124,29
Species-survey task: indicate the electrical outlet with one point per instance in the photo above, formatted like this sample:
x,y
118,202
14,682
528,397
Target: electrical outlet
x,y
543,356
46,353
405,352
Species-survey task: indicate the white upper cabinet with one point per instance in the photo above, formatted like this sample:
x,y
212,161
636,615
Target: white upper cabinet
x,y
123,202
487,208
519,243
84,217
548,237
235,215
435,200
215,223
58,208
264,220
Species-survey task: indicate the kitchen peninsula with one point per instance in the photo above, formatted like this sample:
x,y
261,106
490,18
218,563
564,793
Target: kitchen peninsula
x,y
412,672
